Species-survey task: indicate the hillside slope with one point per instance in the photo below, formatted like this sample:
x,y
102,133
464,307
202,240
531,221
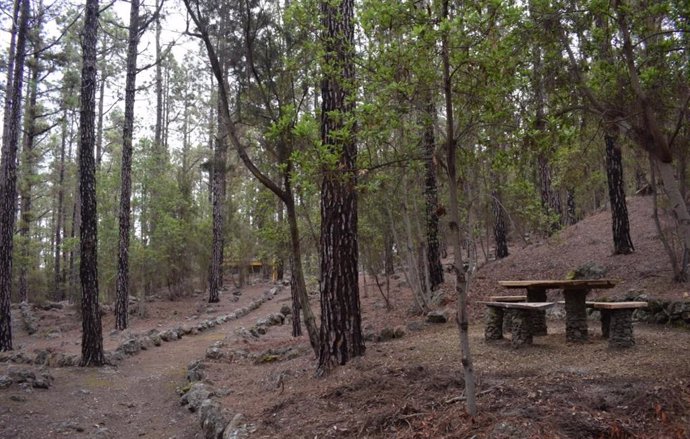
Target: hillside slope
x,y
647,270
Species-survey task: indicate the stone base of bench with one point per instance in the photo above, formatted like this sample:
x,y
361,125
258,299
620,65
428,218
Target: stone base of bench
x,y
521,316
616,321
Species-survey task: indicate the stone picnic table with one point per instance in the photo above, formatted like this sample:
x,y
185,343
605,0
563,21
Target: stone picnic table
x,y
575,293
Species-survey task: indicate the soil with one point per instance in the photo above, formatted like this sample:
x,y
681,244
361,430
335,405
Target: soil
x,y
407,387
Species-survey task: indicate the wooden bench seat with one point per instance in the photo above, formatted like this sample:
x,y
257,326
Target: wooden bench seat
x,y
521,320
522,298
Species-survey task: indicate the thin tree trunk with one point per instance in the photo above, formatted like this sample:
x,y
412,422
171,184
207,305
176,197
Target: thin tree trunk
x,y
454,226
8,178
122,287
341,333
622,243
92,335
101,100
435,273
58,278
28,164
299,286
500,232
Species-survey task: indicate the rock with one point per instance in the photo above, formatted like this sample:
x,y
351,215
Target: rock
x,y
213,419
5,381
437,317
214,353
42,357
54,333
197,393
415,326
101,433
195,371
271,320
285,310
22,375
386,334
398,332
66,426
41,383
145,343
589,270
130,347
186,329
236,428
237,293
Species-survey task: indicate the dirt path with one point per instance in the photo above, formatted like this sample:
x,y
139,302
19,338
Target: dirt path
x,y
137,398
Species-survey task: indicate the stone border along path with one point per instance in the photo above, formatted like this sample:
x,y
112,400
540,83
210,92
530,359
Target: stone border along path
x,y
132,346
217,422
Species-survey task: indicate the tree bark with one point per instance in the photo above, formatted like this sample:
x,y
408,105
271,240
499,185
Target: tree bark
x,y
122,287
622,242
500,232
92,336
58,278
433,254
28,165
8,178
341,333
454,226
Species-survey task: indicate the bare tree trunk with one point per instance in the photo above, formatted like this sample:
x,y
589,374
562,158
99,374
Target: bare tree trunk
x,y
122,287
101,100
299,286
28,165
454,226
58,278
8,178
341,333
435,273
92,336
500,233
622,242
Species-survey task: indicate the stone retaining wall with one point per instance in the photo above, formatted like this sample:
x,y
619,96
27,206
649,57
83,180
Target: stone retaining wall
x,y
674,313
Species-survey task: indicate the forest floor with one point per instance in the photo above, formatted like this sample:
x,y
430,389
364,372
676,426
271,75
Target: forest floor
x,y
407,387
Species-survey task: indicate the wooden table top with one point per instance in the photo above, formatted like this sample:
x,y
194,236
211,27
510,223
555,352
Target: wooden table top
x,y
560,283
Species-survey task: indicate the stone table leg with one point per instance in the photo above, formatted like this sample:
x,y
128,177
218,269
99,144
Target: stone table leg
x,y
494,324
575,315
508,320
621,333
538,317
605,322
522,328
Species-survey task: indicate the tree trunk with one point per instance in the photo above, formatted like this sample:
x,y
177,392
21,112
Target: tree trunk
x,y
8,178
122,287
341,333
298,285
622,242
435,274
500,232
58,278
101,100
28,171
92,336
454,227
8,165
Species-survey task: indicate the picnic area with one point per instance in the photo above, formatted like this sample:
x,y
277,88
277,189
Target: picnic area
x,y
407,385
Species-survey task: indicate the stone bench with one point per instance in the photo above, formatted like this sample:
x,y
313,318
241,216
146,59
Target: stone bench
x,y
616,321
521,324
622,322
508,315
